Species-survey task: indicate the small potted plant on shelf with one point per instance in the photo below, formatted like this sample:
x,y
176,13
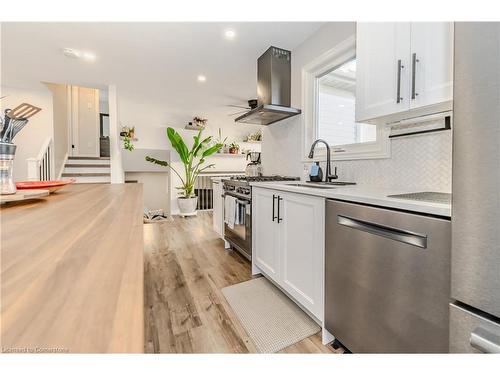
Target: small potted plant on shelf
x,y
223,149
200,122
128,134
255,137
234,148
131,132
193,160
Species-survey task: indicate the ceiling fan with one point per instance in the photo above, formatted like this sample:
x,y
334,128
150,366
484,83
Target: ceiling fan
x,y
252,103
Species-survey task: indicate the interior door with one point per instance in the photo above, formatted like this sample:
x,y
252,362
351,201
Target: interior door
x,y
431,63
302,248
265,246
84,121
382,69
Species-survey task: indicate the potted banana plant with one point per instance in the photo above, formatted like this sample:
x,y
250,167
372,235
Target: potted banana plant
x,y
193,161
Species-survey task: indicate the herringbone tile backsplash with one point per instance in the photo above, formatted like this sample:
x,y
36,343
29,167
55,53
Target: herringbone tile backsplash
x,y
420,162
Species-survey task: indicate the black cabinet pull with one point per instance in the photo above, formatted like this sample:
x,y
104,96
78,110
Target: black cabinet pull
x,y
414,62
274,198
279,218
398,93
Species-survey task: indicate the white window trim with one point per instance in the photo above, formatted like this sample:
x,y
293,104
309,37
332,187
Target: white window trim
x,y
343,52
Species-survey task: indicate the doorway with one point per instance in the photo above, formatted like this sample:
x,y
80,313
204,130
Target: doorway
x,y
84,115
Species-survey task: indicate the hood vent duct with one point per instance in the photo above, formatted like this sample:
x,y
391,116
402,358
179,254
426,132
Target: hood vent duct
x,y
273,89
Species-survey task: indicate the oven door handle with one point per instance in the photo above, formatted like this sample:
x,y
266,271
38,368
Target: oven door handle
x,y
247,200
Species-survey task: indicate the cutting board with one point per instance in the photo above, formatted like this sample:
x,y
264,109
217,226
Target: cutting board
x,y
22,195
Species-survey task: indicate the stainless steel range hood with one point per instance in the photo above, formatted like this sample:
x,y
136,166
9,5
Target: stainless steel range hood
x,y
273,89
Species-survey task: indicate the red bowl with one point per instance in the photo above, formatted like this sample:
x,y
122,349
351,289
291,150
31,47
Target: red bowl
x,y
46,185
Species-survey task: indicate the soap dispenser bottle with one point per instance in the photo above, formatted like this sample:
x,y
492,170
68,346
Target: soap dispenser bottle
x,y
316,173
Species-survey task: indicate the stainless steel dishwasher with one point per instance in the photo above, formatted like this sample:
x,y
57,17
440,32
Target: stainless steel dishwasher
x,y
387,279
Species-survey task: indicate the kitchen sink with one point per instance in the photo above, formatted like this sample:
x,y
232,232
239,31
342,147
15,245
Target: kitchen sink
x,y
323,185
314,186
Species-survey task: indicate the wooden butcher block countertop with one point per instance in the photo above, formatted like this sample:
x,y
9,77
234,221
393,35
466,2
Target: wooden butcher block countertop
x,y
72,271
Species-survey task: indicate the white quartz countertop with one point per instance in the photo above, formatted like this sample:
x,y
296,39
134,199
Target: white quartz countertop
x,y
361,194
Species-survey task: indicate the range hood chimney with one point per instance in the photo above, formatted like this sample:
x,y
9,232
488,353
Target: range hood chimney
x,y
273,89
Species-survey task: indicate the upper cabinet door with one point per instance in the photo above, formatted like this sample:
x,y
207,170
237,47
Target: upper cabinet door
x,y
383,69
431,63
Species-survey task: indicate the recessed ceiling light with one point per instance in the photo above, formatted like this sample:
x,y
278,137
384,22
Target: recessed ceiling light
x,y
88,56
70,52
77,54
230,34
202,78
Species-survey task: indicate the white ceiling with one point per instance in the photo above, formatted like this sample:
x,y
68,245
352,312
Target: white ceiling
x,y
342,77
158,62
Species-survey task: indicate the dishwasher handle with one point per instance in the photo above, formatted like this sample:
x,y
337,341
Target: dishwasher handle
x,y
395,234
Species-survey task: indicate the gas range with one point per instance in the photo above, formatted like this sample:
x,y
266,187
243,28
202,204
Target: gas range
x,y
245,180
240,185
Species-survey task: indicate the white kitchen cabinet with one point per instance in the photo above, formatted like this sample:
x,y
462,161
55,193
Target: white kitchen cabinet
x,y
218,210
302,231
403,70
290,248
265,236
382,55
432,62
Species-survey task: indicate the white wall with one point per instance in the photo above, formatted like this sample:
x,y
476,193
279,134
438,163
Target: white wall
x,y
151,119
420,162
103,101
39,128
117,175
417,163
281,148
61,124
155,187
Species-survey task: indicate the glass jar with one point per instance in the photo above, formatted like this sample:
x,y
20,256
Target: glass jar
x,y
7,153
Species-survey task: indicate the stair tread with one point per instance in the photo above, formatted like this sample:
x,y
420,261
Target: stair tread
x,y
91,174
87,165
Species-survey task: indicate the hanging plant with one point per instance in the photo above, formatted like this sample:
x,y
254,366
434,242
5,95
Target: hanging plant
x,y
127,143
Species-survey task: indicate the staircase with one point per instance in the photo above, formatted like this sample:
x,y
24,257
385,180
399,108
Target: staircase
x,y
87,170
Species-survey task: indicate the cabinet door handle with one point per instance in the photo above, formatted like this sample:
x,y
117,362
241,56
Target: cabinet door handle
x,y
279,218
398,94
414,62
274,198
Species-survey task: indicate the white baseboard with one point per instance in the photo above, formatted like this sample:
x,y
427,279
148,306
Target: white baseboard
x,y
59,175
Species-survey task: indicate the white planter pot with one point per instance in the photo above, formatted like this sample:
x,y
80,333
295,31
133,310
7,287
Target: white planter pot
x,y
187,206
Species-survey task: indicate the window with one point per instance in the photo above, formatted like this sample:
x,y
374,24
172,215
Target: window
x,y
336,102
328,107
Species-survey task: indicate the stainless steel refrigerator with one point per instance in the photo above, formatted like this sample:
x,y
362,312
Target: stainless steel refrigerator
x,y
475,271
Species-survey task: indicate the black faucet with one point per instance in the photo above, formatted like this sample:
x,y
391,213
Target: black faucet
x,y
328,174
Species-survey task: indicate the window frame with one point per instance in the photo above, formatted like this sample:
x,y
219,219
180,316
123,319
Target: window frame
x,y
325,63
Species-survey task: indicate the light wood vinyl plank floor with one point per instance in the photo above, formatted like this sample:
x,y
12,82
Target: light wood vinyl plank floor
x,y
186,266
